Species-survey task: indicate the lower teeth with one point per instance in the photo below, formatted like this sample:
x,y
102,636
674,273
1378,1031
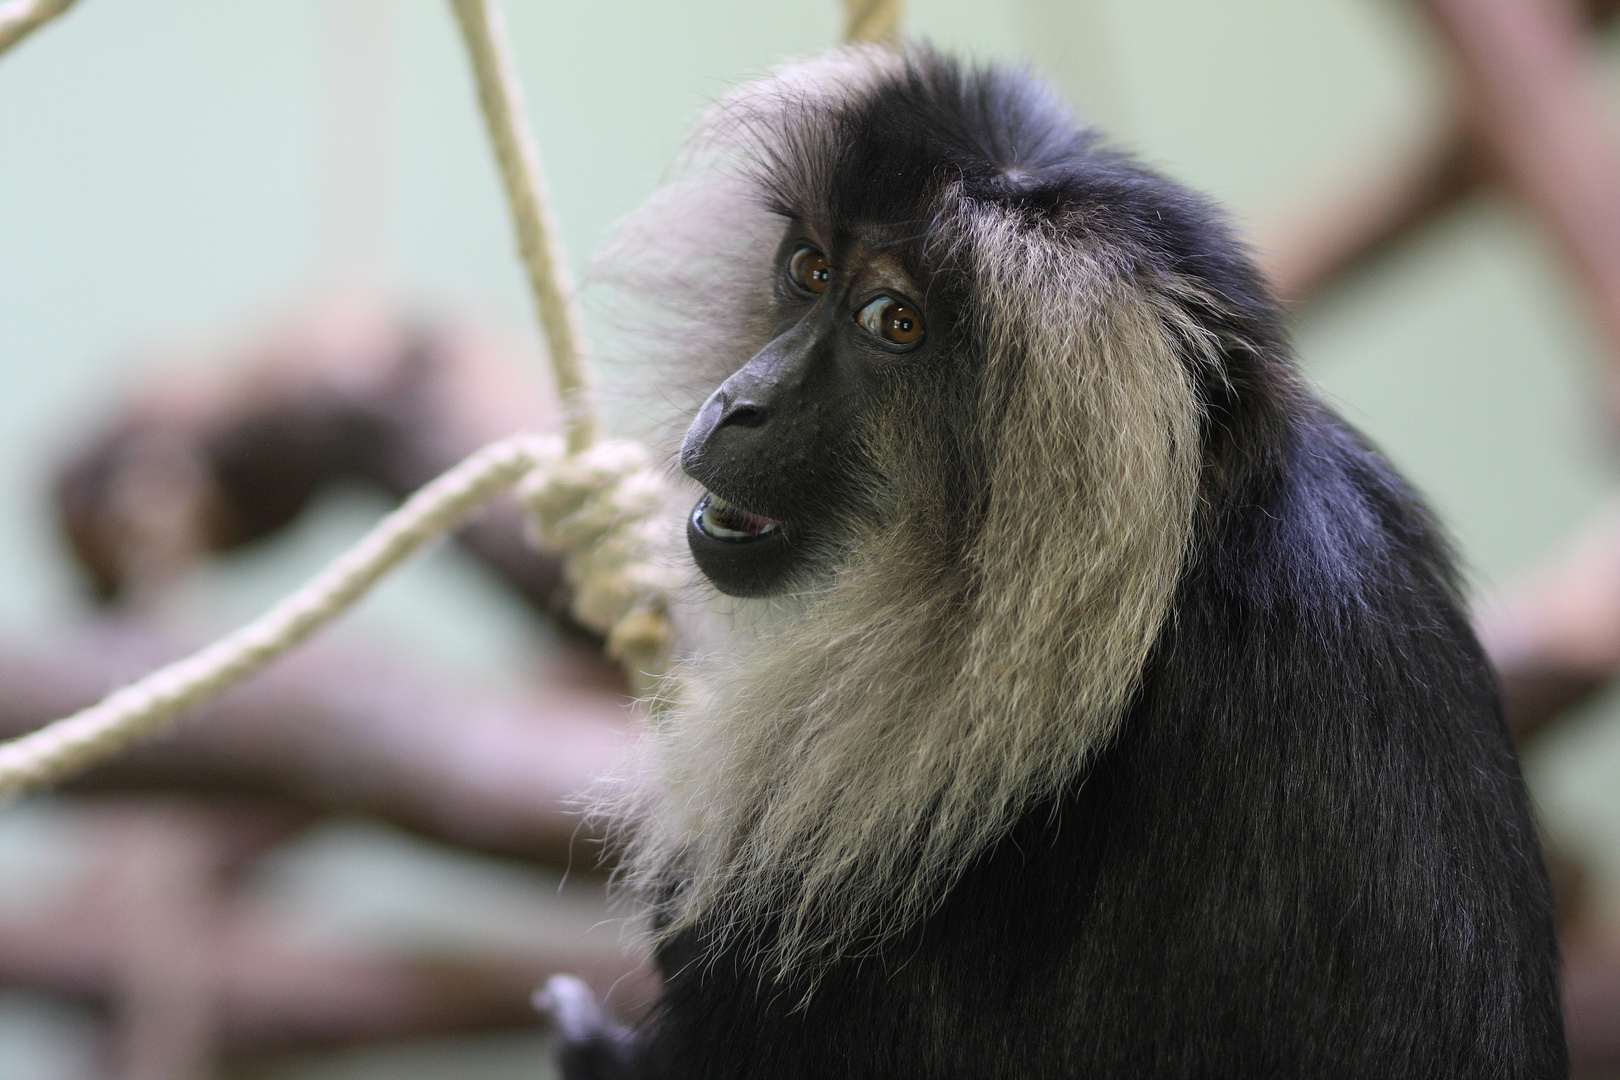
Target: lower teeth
x,y
720,519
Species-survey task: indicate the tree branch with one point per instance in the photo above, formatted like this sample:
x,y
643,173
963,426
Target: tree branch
x,y
334,731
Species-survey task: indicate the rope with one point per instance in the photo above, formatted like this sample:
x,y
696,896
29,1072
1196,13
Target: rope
x,y
872,20
20,18
501,99
599,501
603,505
600,497
605,508
614,593
103,729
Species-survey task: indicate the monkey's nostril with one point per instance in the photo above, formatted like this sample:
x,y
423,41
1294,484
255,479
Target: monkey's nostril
x,y
742,414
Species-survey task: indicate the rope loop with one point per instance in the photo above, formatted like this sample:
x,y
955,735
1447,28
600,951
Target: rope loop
x,y
604,508
607,508
603,504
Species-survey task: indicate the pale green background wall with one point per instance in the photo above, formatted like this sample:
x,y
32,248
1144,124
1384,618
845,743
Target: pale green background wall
x,y
164,165
166,168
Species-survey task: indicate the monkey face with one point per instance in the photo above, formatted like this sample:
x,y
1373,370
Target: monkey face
x,y
779,446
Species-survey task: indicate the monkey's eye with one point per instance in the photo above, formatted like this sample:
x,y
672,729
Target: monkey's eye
x,y
891,320
809,270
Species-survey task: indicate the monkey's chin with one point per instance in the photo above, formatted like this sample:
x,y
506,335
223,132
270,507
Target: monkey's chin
x,y
742,553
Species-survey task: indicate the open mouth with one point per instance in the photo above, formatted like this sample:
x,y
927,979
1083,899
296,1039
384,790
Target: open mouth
x,y
720,520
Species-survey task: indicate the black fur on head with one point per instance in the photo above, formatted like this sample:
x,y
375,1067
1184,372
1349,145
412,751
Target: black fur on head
x,y
985,553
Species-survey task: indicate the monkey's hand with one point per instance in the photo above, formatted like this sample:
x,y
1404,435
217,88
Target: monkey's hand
x,y
589,1045
606,509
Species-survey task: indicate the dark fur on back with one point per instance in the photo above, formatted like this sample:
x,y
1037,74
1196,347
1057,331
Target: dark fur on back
x,y
1302,848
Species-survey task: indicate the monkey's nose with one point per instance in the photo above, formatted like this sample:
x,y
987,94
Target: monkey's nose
x,y
728,426
742,402
739,409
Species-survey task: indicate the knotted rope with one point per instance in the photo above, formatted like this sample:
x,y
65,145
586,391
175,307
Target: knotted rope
x,y
126,714
600,502
605,499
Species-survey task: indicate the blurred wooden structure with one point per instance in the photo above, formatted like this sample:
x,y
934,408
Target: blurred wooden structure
x,y
1527,117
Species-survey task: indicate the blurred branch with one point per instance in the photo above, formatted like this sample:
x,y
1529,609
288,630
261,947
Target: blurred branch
x,y
1556,641
152,703
1530,114
165,922
1592,1011
277,994
335,732
348,393
1536,96
1346,229
1535,99
262,986
1350,225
